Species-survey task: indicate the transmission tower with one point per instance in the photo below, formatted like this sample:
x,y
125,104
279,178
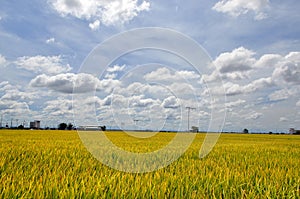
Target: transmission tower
x,y
189,110
136,123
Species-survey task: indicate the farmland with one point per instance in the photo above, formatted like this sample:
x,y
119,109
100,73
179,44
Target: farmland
x,y
55,164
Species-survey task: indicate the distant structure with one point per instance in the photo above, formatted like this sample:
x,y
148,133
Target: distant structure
x,y
195,129
1,121
92,128
245,131
293,131
189,110
36,124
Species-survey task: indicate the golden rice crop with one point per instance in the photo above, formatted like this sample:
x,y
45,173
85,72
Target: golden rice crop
x,y
55,164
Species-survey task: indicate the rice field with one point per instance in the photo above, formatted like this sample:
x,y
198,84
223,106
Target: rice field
x,y
55,164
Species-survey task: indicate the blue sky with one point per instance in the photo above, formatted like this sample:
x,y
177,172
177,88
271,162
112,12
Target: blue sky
x,y
253,47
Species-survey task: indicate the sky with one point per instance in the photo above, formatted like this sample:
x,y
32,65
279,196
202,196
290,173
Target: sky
x,y
247,71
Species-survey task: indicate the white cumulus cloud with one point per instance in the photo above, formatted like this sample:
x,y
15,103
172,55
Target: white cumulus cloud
x,y
171,102
107,12
65,83
2,60
268,60
258,84
165,74
95,25
14,101
50,40
122,11
233,89
141,101
279,95
58,107
239,60
254,115
281,71
74,83
43,64
239,7
236,103
288,70
234,65
283,119
115,68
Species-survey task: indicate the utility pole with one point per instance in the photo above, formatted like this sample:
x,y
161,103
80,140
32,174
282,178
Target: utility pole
x,y
189,110
1,121
110,124
136,122
11,120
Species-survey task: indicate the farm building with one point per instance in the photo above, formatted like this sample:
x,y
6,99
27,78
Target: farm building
x,y
195,129
293,131
91,128
36,124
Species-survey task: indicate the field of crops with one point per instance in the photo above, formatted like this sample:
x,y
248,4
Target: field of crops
x,y
55,164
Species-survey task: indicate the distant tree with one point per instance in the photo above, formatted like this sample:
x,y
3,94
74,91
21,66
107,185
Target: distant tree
x,y
21,127
245,131
62,126
103,128
70,126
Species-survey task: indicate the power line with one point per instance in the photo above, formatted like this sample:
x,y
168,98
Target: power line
x,y
189,110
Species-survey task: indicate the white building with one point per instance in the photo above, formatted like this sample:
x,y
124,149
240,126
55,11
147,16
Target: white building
x,y
35,125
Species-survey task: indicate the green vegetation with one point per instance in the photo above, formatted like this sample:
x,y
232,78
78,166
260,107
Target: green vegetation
x,y
55,164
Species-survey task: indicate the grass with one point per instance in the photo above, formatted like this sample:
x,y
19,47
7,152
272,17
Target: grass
x,y
55,164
